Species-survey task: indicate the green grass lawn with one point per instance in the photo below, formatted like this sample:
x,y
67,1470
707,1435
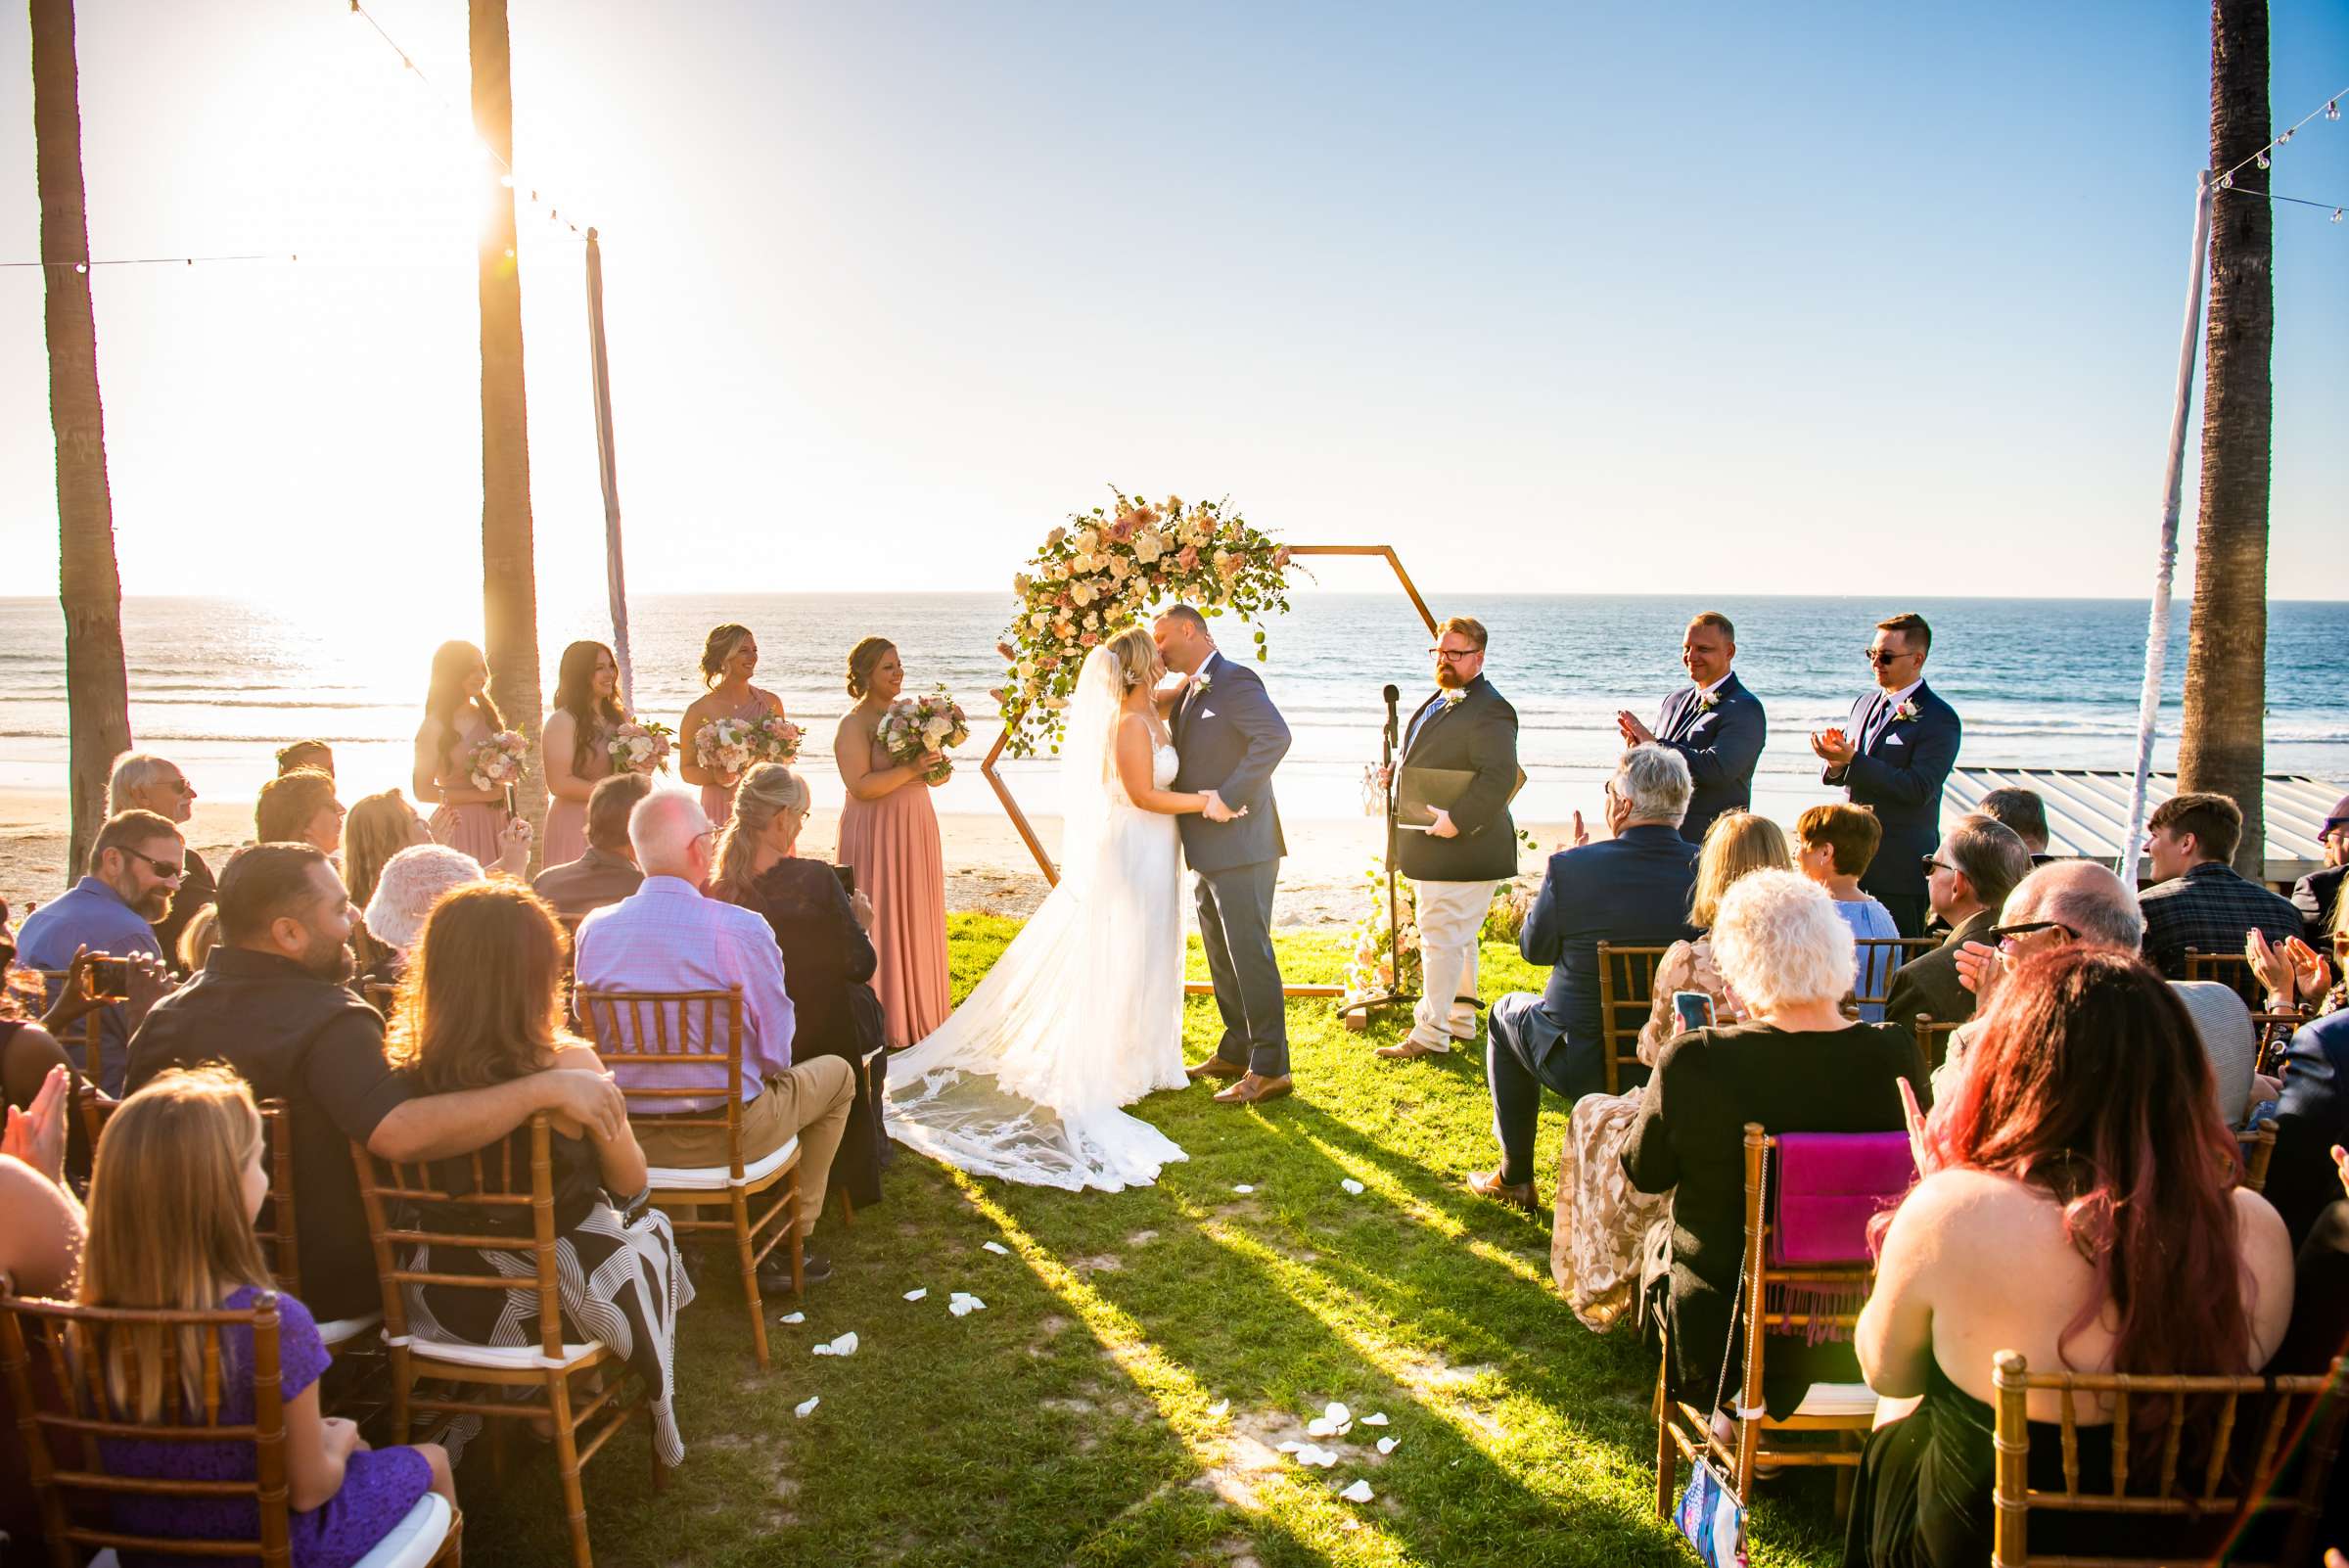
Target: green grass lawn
x,y
1070,1421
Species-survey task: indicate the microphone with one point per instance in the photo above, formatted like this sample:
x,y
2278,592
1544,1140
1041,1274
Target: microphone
x,y
1391,694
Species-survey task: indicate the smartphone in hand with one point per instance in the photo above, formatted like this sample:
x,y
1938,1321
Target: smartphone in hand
x,y
1693,1009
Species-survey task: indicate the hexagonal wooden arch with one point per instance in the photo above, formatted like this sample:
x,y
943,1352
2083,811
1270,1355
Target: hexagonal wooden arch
x,y
1035,846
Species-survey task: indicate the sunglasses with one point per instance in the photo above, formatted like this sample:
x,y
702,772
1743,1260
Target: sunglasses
x,y
1932,864
2002,935
1881,657
165,870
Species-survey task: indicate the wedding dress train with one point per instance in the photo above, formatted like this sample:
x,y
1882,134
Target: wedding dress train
x,y
1083,1014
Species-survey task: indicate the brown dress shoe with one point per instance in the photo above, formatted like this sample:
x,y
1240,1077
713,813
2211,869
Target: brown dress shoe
x,y
1404,1050
1254,1089
1516,1194
1214,1066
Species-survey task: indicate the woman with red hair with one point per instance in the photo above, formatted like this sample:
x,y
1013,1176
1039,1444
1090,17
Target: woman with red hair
x,y
2082,1206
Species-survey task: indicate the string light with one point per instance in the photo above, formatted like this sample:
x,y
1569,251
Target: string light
x,y
2331,109
157,261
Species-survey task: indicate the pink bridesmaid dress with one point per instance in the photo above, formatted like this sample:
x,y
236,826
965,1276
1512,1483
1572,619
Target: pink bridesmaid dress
x,y
717,800
567,820
891,843
475,827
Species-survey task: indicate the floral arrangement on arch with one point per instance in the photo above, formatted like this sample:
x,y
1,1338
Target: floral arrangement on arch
x,y
1370,967
1096,576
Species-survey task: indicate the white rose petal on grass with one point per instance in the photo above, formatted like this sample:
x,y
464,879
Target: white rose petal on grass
x,y
1314,1454
1389,1444
1360,1491
962,1302
1379,1419
1352,1185
917,1295
793,1318
1335,1420
1219,1408
1290,1446
806,1407
845,1345
995,1247
1242,1187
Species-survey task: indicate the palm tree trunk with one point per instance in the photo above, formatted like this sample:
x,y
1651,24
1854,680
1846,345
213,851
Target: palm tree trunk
x,y
2222,749
509,580
89,584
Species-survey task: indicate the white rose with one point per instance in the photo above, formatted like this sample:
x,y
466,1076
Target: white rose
x,y
935,732
1120,567
1082,594
1087,540
1054,537
1020,583
1148,546
1092,621
1060,572
1039,620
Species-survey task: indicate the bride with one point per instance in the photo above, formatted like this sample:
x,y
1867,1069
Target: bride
x,y
1083,1012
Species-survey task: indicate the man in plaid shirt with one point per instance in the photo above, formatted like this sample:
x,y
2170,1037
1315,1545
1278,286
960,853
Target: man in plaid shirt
x,y
2201,903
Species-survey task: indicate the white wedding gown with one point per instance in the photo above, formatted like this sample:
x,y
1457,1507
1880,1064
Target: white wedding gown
x,y
1082,1013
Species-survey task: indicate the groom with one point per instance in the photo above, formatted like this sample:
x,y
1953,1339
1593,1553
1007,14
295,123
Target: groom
x,y
1229,737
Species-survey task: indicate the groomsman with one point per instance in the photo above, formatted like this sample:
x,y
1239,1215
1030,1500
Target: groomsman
x,y
1467,726
1894,759
1714,722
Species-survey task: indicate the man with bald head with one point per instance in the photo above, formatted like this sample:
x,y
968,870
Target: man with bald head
x,y
666,936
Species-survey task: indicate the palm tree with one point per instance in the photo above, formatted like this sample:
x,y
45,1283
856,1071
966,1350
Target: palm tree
x,y
89,584
509,566
2227,652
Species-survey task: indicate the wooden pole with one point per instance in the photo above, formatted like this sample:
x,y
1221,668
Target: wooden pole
x,y
616,577
2173,483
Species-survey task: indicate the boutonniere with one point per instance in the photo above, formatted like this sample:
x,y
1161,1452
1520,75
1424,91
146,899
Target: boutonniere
x,y
1707,701
1453,696
1905,713
1201,681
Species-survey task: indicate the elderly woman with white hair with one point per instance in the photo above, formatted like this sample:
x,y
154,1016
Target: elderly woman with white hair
x,y
410,883
1796,1065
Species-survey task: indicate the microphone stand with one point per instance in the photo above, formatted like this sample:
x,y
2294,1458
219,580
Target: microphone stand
x,y
1356,1017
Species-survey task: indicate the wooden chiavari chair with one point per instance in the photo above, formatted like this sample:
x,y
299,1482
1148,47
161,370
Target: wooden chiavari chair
x,y
2231,969
1933,1039
1627,984
1885,953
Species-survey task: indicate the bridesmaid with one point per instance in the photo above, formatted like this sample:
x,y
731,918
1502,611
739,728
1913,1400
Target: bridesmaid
x,y
728,661
888,835
459,716
576,740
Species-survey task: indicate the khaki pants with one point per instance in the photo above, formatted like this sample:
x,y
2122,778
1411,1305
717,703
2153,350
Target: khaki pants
x,y
811,1101
1451,915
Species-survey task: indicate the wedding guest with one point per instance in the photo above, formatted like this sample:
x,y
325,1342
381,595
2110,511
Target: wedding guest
x,y
180,1179
29,1050
729,658
828,955
1833,846
1894,758
483,1006
2080,1175
605,872
2025,812
2201,901
889,838
1633,890
316,755
145,782
134,865
197,939
377,828
41,1231
299,807
2311,1117
1796,1065
1468,727
576,738
458,716
1978,864
270,1002
666,936
1600,1218
2081,903
2318,894
1714,722
411,883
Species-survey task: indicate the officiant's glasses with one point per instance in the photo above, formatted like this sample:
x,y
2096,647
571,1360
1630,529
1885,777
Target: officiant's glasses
x,y
1453,654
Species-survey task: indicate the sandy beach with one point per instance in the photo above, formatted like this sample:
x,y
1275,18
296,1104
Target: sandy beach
x,y
987,868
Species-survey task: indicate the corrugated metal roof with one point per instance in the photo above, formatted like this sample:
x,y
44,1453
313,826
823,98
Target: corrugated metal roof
x,y
2087,811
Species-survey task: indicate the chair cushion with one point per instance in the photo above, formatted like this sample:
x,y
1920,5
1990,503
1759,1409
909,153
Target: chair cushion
x,y
508,1357
342,1330
413,1541
717,1177
1838,1400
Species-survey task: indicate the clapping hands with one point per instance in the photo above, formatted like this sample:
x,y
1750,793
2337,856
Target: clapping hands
x,y
1634,733
1979,965
2295,973
1833,747
36,1135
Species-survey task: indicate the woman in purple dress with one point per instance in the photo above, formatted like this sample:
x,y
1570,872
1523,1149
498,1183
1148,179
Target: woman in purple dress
x,y
458,716
729,658
577,738
179,1181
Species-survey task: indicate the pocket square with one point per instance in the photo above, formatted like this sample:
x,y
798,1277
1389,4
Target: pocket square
x,y
1893,740
1204,712
1702,721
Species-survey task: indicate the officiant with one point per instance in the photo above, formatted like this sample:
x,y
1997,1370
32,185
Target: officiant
x,y
1452,833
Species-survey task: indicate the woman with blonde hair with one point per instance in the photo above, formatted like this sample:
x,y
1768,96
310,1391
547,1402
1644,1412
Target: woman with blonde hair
x,y
459,714
729,659
1601,1220
1083,1014
481,1005
179,1181
889,839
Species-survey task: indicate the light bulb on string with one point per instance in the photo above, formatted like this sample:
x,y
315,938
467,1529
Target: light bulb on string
x,y
2263,161
2227,182
2336,214
2287,136
2332,111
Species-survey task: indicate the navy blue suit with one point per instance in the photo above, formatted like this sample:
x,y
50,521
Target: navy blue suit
x,y
2312,1116
1721,745
1632,890
1898,773
1229,738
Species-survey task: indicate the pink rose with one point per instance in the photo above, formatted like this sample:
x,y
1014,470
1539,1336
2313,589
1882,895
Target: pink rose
x,y
1187,558
1280,557
1123,529
1088,639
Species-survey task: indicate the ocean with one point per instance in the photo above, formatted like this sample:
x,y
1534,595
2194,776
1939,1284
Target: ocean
x,y
219,684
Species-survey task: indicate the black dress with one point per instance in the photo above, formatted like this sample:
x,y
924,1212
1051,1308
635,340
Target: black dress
x,y
1690,1140
825,955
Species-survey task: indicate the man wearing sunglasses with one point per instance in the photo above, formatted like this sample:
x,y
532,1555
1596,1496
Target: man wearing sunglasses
x,y
134,866
145,782
2318,894
1894,758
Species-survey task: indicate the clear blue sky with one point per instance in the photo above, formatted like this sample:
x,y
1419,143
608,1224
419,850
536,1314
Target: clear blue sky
x,y
1703,296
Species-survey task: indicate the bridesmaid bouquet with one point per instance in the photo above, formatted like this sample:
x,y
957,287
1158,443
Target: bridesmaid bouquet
x,y
933,722
495,763
726,746
778,739
640,747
